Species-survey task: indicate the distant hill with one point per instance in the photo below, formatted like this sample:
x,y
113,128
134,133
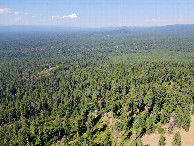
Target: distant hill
x,y
168,28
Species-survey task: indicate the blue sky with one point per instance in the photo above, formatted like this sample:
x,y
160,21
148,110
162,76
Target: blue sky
x,y
96,13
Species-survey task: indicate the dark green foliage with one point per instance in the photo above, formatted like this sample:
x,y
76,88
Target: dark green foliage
x,y
192,112
177,139
57,87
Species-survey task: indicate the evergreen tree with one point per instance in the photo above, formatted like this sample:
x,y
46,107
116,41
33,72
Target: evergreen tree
x,y
149,125
161,141
51,84
177,139
192,112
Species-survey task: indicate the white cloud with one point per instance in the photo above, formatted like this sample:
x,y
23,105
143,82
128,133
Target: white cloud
x,y
16,13
72,16
171,21
9,11
4,10
17,20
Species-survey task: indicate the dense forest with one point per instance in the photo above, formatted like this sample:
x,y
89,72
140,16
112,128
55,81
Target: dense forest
x,y
94,87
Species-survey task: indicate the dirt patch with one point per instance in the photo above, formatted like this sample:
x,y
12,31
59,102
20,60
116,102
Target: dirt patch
x,y
109,120
94,114
187,138
49,70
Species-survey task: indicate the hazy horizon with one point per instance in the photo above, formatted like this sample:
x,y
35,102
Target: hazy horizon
x,y
61,26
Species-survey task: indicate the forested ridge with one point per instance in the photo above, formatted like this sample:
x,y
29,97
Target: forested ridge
x,y
94,88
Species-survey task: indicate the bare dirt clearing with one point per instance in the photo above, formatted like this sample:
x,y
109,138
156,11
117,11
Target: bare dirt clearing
x,y
187,138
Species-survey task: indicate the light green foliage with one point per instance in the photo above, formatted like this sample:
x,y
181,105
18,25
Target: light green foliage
x,y
161,130
149,126
137,143
161,141
177,139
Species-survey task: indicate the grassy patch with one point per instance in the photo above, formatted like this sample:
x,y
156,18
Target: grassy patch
x,y
153,55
